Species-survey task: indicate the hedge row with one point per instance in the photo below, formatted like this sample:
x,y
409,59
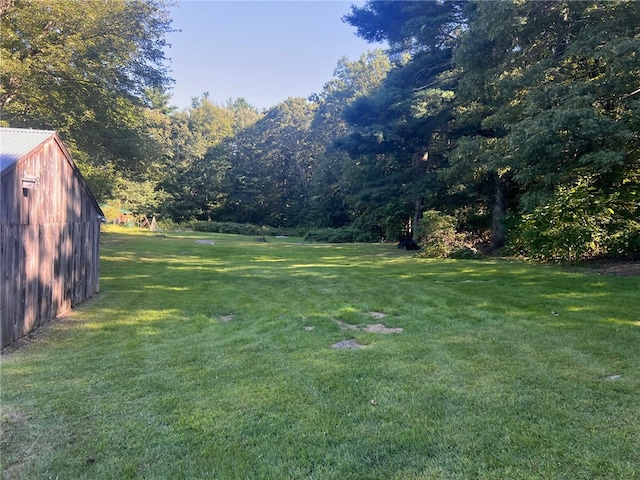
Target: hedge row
x,y
238,228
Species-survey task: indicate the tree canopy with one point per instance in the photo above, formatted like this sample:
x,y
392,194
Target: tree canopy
x,y
83,69
513,123
534,106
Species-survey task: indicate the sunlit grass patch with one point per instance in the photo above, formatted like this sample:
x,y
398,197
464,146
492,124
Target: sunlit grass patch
x,y
197,361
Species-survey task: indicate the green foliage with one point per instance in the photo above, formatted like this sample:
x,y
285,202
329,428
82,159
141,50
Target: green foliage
x,y
547,119
270,164
102,179
332,176
141,198
485,111
82,68
437,235
112,211
400,131
240,228
230,227
195,179
577,223
409,27
167,224
515,113
349,234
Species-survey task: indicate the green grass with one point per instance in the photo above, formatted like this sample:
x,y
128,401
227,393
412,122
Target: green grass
x,y
146,380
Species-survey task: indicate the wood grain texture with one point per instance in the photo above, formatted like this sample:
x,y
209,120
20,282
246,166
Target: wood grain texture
x,y
49,251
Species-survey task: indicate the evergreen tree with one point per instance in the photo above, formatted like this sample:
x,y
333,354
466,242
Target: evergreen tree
x,y
271,165
399,131
331,177
197,172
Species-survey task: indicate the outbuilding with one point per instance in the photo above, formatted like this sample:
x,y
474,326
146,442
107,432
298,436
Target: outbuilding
x,y
49,232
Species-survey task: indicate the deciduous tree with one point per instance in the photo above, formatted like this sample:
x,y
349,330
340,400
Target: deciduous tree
x,y
195,176
550,117
82,68
272,163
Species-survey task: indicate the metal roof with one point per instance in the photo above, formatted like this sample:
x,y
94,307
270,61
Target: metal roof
x,y
17,142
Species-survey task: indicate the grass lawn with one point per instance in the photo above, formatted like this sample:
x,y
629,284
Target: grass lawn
x,y
215,361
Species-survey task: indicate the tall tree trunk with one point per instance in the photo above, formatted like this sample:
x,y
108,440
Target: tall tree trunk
x,y
417,215
497,216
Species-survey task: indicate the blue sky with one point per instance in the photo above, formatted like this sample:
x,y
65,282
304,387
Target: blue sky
x,y
263,51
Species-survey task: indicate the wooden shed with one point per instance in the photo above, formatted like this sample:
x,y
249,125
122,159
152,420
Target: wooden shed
x,y
49,232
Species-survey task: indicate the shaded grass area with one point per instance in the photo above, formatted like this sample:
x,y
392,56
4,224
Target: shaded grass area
x,y
194,362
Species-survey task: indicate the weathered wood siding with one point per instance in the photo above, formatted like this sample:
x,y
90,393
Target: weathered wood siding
x,y
49,242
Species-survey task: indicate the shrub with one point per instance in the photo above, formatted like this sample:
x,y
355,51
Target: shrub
x,y
438,236
240,228
167,224
578,223
349,234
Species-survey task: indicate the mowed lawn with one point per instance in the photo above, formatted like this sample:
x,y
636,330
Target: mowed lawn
x,y
215,361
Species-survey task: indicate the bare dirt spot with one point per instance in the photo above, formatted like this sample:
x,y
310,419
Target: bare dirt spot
x,y
622,269
204,242
347,344
11,420
344,325
381,328
14,416
371,328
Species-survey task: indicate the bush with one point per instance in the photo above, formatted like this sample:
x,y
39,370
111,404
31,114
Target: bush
x,y
438,236
579,223
348,234
240,228
166,224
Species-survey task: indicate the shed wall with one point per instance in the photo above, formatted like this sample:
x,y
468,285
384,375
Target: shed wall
x,y
49,242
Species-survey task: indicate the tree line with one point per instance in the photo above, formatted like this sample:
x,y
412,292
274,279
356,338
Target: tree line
x,y
509,124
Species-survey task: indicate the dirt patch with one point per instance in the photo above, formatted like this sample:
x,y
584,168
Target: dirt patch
x,y
14,416
377,315
344,325
204,242
381,328
19,344
371,328
622,269
347,344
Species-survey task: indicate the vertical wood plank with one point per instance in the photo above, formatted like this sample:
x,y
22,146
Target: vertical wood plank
x,y
56,263
6,294
19,282
45,273
67,266
49,256
30,275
